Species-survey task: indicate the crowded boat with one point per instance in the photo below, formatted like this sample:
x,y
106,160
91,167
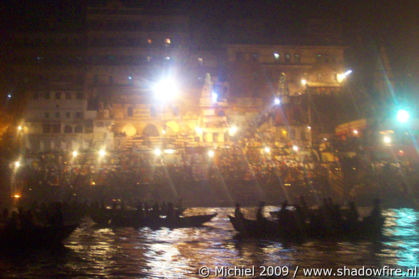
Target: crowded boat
x,y
301,222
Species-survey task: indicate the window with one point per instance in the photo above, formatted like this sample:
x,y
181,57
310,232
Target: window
x,y
56,128
68,95
297,58
287,57
79,95
46,95
110,79
95,79
88,128
200,60
130,112
148,58
149,41
318,57
68,114
277,56
79,115
57,95
78,129
46,128
68,129
35,96
46,114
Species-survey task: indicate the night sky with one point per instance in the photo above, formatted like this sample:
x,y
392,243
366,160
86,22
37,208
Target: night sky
x,y
366,24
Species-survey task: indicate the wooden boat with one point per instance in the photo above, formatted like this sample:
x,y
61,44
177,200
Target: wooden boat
x,y
35,236
367,228
136,220
181,222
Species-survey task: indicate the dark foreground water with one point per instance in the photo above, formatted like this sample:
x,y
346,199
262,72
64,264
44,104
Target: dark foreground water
x,y
178,253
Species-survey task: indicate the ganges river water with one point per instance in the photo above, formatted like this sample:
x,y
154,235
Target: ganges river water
x,y
179,253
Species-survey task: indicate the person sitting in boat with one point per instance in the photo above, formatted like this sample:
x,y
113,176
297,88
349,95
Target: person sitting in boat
x,y
155,211
376,210
353,214
259,213
285,218
171,213
238,213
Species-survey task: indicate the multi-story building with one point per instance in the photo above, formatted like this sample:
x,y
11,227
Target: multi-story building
x,y
97,87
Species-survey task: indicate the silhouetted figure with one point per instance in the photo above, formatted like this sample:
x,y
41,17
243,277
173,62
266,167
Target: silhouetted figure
x,y
259,212
376,210
237,212
353,214
171,215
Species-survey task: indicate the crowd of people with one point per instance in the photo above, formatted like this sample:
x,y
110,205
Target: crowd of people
x,y
238,170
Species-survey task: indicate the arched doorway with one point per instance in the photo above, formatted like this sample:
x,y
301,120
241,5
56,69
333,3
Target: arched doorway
x,y
150,131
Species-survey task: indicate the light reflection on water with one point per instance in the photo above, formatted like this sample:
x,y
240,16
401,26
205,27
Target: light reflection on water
x,y
177,253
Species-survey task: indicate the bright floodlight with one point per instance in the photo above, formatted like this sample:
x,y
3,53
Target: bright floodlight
x,y
198,130
233,130
403,116
267,149
169,151
19,128
166,89
214,97
211,153
309,127
17,164
157,152
355,132
277,101
102,153
295,148
342,76
303,82
387,139
75,153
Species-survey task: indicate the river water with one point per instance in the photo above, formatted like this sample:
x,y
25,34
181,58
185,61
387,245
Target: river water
x,y
178,253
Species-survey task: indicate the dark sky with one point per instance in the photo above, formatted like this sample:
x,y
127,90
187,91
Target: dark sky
x,y
366,24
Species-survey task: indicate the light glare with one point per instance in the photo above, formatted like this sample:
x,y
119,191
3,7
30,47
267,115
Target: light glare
x,y
166,89
403,116
211,153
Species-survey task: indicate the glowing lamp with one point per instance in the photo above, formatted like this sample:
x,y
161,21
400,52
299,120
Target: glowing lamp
x,y
295,148
277,101
267,149
232,130
387,139
211,153
102,153
157,152
402,116
169,151
166,89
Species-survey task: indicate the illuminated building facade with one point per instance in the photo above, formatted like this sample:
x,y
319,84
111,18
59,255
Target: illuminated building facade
x,y
97,87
